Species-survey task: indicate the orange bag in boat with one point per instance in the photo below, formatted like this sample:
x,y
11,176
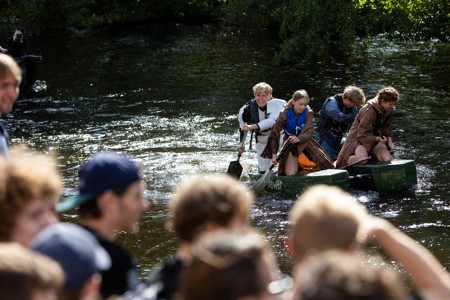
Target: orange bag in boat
x,y
305,163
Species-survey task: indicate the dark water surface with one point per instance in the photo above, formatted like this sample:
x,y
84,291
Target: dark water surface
x,y
169,96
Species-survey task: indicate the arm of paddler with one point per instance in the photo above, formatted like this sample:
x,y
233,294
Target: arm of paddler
x,y
274,107
241,117
387,129
364,131
244,119
266,124
273,142
331,109
242,134
386,132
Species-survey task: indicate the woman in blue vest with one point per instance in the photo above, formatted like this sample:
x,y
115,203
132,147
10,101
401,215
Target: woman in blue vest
x,y
297,123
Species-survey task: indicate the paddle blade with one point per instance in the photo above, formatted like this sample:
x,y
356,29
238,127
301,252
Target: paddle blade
x,y
235,169
262,182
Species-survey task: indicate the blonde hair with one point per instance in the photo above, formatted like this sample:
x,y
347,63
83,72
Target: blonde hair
x,y
25,176
324,217
297,95
262,87
23,272
9,67
204,198
354,94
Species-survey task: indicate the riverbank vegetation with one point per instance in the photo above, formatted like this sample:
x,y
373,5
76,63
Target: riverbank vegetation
x,y
305,27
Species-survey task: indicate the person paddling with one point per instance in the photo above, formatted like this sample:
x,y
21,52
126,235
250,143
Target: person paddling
x,y
259,115
297,122
371,132
336,116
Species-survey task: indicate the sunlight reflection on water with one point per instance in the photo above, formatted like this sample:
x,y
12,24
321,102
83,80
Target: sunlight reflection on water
x,y
171,102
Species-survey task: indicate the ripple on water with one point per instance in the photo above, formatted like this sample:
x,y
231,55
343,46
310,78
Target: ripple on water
x,y
171,101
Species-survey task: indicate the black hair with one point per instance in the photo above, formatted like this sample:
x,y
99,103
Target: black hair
x,y
90,207
21,29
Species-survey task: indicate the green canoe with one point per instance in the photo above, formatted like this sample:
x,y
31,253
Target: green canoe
x,y
396,176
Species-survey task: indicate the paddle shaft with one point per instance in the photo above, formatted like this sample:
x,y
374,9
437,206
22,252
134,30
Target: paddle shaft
x,y
283,151
355,163
264,180
242,144
286,146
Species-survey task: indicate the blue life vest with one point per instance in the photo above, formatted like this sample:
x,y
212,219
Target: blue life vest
x,y
294,126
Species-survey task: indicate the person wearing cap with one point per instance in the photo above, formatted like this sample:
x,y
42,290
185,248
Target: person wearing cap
x,y
10,78
30,188
80,256
110,199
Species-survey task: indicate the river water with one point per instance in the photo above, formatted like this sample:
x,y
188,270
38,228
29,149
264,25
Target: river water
x,y
169,95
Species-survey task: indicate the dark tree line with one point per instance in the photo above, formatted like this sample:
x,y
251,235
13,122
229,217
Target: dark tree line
x,y
305,27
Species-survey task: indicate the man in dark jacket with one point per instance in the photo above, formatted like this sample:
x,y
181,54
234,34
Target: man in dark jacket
x,y
336,116
17,45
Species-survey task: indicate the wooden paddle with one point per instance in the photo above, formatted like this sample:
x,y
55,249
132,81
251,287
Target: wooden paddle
x,y
235,167
355,163
265,178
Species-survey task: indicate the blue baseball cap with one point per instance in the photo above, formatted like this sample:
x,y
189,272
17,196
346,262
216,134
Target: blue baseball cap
x,y
75,249
106,170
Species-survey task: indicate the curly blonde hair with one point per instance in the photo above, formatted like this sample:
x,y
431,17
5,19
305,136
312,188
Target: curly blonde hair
x,y
387,94
25,176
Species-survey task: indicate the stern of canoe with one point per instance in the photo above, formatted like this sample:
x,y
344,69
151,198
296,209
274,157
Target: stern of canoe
x,y
396,176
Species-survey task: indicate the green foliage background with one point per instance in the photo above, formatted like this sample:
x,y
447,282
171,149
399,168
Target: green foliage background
x,y
305,27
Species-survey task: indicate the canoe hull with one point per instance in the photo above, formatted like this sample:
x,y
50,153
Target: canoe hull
x,y
292,186
396,176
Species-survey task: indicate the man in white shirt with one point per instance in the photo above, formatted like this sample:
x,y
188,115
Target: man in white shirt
x,y
259,115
